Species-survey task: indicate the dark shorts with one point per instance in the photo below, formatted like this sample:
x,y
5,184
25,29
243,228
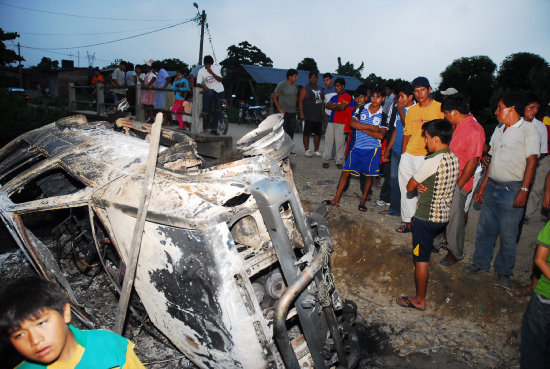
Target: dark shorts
x,y
361,161
423,233
313,127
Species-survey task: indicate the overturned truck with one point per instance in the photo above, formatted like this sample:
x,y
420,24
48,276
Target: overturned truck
x,y
231,269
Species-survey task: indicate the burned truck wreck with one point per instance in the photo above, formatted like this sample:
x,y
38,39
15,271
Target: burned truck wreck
x,y
232,270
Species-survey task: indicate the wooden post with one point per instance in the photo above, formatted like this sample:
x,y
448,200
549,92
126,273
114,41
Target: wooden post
x,y
196,119
143,205
72,97
140,112
100,98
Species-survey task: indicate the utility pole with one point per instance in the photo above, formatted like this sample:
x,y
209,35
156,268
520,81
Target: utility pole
x,y
203,20
20,72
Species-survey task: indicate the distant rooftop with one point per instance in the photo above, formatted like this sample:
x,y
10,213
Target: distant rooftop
x,y
276,75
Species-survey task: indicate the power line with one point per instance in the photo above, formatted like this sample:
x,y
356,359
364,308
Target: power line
x,y
84,16
112,41
84,34
64,54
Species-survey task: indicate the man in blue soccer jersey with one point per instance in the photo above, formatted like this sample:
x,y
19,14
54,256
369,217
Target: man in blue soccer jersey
x,y
364,156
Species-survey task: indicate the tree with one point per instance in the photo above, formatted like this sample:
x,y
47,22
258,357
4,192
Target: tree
x,y
308,64
374,80
518,71
8,56
474,76
174,64
348,69
235,76
46,65
245,53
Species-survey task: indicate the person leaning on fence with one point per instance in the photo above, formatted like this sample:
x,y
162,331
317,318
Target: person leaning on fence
x,y
148,95
209,78
180,87
162,82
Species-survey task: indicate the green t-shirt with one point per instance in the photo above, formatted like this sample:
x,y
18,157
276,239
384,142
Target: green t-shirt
x,y
438,173
287,96
543,285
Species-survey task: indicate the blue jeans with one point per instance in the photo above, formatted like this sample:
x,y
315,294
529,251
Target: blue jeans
x,y
211,98
498,216
535,335
395,194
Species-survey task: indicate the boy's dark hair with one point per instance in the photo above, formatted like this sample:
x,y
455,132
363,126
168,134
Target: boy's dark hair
x,y
406,88
291,72
122,62
514,99
361,90
458,101
340,81
156,65
24,298
208,59
327,75
181,71
531,98
378,89
313,73
441,128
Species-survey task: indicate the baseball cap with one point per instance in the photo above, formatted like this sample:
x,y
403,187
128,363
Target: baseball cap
x,y
449,91
420,82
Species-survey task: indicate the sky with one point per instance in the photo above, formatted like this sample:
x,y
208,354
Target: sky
x,y
395,39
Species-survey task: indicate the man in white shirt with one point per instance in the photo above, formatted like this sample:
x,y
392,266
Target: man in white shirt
x,y
209,77
118,80
534,200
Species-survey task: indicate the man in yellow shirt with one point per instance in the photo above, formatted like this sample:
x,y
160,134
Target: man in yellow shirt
x,y
414,145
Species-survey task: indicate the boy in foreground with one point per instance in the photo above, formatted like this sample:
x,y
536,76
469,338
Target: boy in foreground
x,y
364,156
535,328
35,317
435,181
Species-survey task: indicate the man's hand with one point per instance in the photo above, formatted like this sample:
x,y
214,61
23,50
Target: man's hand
x,y
478,195
386,156
302,116
521,199
421,188
400,105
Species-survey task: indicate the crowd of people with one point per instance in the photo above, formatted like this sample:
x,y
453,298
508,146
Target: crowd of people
x,y
434,159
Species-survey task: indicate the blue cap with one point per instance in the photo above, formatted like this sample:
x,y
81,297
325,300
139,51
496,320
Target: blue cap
x,y
420,82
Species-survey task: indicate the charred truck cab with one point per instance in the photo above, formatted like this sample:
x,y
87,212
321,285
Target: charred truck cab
x,y
231,269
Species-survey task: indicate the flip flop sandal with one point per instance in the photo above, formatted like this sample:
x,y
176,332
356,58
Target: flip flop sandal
x,y
325,165
403,229
405,302
329,203
362,208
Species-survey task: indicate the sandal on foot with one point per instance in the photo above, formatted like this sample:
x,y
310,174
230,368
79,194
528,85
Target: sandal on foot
x,y
325,165
362,208
405,301
329,203
405,228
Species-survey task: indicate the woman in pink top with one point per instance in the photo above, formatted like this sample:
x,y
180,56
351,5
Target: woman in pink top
x,y
148,96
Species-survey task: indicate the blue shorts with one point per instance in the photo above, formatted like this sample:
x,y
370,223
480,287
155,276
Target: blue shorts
x,y
363,161
423,233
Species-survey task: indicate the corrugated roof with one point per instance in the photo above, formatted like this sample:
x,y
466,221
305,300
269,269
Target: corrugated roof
x,y
276,75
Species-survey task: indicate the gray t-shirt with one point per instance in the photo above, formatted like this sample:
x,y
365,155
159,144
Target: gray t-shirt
x,y
287,96
510,148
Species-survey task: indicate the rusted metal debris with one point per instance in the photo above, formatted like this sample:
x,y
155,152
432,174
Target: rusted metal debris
x,y
219,247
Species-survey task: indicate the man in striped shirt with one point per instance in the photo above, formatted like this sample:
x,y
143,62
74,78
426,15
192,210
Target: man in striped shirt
x,y
364,156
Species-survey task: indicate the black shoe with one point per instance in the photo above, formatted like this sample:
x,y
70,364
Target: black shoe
x,y
215,133
474,269
504,280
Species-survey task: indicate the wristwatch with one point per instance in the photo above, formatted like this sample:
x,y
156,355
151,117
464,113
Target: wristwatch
x,y
526,189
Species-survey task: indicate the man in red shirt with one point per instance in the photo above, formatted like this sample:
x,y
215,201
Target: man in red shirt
x,y
467,145
339,121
